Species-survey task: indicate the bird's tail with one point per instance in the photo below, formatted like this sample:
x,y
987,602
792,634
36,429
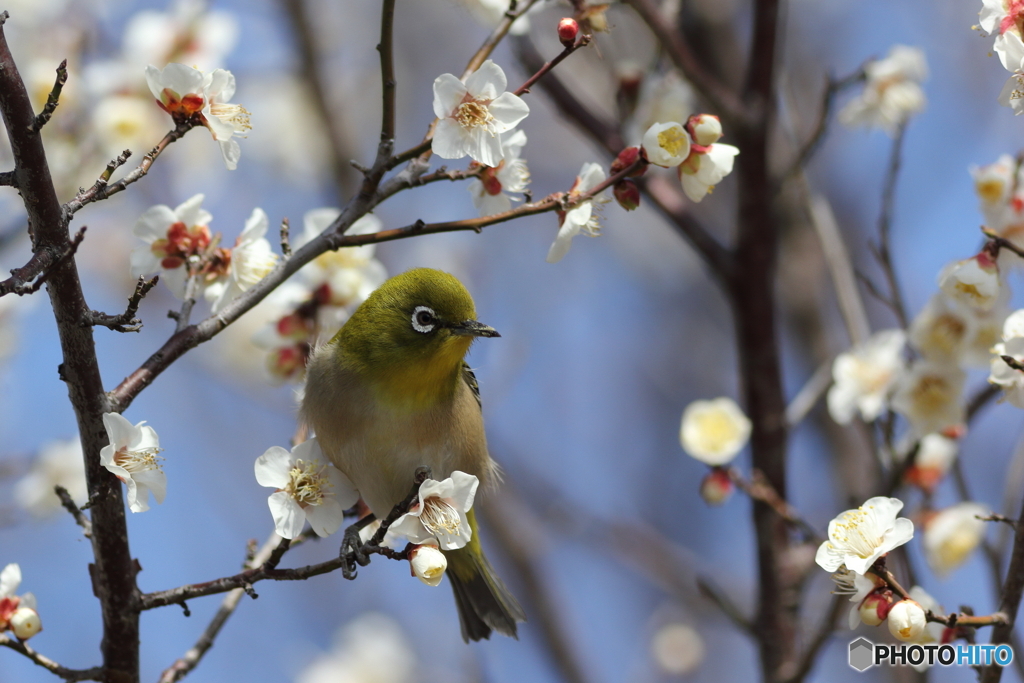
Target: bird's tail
x,y
484,603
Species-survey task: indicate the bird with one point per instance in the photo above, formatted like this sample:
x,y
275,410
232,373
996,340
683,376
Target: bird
x,y
392,392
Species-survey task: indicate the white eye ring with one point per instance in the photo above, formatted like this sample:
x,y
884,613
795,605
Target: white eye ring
x,y
423,319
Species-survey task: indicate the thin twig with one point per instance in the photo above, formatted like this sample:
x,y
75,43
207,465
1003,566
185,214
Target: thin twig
x,y
760,489
832,88
94,674
805,400
52,99
267,569
1009,603
583,41
387,71
883,250
69,504
8,179
497,35
718,95
125,322
187,662
994,517
103,189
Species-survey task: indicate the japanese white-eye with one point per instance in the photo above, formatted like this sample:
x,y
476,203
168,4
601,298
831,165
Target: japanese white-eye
x,y
391,392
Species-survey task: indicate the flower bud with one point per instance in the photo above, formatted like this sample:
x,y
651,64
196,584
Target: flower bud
x,y
627,158
568,29
428,564
716,487
627,194
907,620
875,608
705,129
25,623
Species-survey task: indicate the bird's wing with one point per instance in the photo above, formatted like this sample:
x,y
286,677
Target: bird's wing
x,y
470,379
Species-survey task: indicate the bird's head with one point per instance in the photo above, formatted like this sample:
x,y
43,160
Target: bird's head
x,y
417,324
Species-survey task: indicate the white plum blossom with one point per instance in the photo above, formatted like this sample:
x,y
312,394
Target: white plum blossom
x,y
936,453
308,487
892,93
224,119
1005,19
249,261
18,613
858,537
439,513
511,174
472,115
943,329
59,463
864,375
1010,379
705,168
174,241
350,274
973,281
714,431
190,33
929,396
183,91
907,620
952,534
428,563
666,144
582,217
369,649
678,648
131,456
994,185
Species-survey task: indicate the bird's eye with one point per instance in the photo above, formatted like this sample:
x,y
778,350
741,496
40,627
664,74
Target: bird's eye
x,y
423,319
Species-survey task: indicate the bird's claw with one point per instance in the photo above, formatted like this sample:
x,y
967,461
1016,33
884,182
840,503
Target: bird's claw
x,y
352,553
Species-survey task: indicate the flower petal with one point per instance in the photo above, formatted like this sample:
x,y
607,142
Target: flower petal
x,y
190,212
560,247
450,140
487,82
343,490
508,110
120,431
231,152
410,527
326,517
154,480
153,223
221,85
289,517
448,94
465,490
273,466
10,579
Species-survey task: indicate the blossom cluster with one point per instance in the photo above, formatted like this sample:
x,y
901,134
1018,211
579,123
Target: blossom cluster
x,y
17,612
892,91
309,488
1004,19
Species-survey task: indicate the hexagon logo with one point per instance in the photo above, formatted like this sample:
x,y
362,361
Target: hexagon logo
x,y
862,654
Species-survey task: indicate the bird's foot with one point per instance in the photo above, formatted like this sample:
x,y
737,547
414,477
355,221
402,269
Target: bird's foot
x,y
352,553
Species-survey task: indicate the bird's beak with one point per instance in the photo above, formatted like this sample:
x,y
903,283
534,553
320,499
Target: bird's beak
x,y
472,328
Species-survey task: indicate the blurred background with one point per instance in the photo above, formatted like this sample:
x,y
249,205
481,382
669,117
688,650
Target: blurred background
x,y
599,528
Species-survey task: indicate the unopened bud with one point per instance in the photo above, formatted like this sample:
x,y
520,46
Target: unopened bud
x,y
25,623
907,620
627,194
428,564
627,158
875,609
716,488
568,29
705,129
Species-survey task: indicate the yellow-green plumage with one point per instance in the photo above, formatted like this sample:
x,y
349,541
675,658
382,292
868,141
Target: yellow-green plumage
x,y
391,393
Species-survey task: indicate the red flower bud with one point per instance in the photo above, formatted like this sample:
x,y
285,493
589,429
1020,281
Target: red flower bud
x,y
627,194
627,158
716,487
567,31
